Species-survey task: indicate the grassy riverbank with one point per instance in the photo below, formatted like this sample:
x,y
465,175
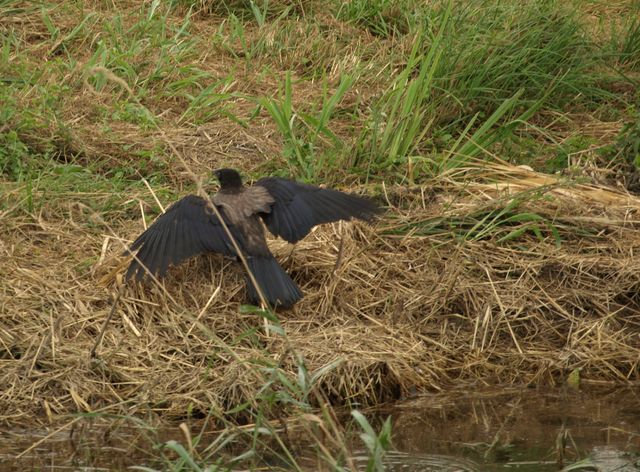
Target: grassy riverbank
x,y
502,140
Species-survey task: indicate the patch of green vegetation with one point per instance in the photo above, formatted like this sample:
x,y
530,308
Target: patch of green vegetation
x,y
302,132
154,59
151,164
233,36
626,148
246,10
473,81
209,103
144,54
624,41
380,17
562,159
134,113
59,40
408,114
404,114
29,132
36,180
377,443
522,150
14,156
496,48
503,221
310,48
31,110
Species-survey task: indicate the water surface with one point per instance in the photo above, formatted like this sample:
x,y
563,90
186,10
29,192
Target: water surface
x,y
522,430
517,430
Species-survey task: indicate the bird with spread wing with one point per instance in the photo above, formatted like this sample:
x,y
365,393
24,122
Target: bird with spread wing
x,y
287,208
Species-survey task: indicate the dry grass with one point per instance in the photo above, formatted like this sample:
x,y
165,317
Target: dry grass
x,y
412,306
403,313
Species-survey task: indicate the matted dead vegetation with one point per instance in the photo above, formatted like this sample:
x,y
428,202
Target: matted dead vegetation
x,y
404,311
490,275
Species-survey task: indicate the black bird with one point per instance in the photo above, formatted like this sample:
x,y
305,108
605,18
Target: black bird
x,y
288,209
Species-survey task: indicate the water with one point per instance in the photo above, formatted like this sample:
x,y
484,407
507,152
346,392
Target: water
x,y
518,431
525,430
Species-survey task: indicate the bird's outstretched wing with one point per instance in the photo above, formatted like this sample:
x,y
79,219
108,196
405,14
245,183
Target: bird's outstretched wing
x,y
299,207
189,227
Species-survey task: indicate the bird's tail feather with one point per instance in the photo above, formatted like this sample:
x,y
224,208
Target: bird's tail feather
x,y
275,283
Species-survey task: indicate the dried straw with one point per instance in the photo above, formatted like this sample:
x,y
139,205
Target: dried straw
x,y
402,313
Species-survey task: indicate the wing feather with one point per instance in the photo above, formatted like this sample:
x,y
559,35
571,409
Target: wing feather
x,y
186,229
299,207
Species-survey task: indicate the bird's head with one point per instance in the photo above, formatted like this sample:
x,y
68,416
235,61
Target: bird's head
x,y
228,178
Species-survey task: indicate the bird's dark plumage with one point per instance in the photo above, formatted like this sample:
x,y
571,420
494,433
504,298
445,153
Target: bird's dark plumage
x,y
276,285
288,209
299,207
228,178
186,229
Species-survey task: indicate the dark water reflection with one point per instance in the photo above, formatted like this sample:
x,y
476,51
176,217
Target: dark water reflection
x,y
523,430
